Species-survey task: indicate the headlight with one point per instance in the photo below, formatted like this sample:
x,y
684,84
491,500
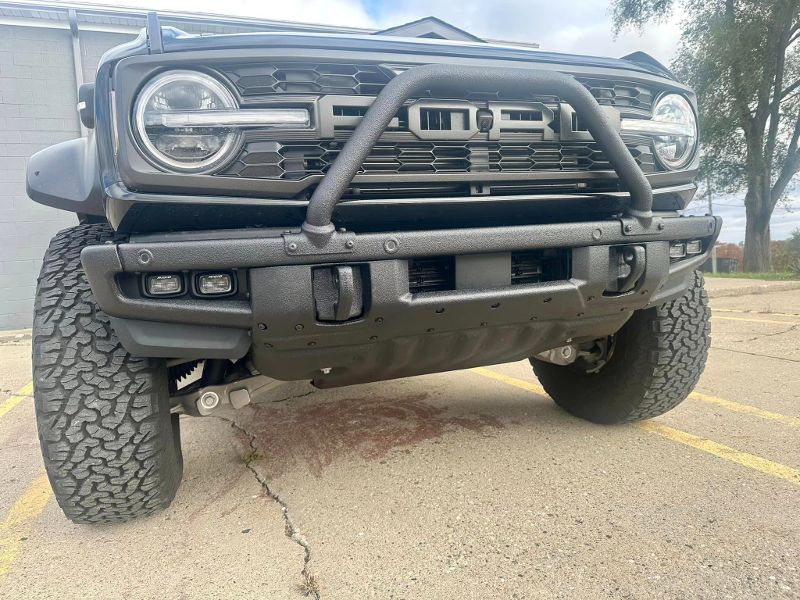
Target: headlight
x,y
673,118
169,133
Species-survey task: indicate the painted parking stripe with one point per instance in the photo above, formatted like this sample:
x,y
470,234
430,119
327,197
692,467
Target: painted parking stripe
x,y
722,451
722,402
746,409
520,383
25,392
17,524
746,459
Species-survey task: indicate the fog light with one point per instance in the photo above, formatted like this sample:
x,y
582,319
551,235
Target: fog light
x,y
164,284
694,247
677,250
214,284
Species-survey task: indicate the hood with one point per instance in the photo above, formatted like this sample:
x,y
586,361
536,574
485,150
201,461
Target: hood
x,y
174,40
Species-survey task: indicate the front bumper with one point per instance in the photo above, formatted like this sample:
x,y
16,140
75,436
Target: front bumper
x,y
338,307
398,333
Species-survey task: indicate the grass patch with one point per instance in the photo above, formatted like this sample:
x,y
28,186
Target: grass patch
x,y
309,585
250,456
765,276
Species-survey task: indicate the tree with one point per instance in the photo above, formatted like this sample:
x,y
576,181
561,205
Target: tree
x,y
743,59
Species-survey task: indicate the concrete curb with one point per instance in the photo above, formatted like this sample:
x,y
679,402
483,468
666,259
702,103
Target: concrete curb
x,y
757,287
14,335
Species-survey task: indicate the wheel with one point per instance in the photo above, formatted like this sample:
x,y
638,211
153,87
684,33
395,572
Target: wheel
x,y
110,446
657,358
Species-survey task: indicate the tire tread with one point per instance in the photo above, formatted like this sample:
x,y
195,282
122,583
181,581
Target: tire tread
x,y
111,449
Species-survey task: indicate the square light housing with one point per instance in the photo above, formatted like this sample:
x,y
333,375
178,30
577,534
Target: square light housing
x,y
677,250
214,284
694,247
164,284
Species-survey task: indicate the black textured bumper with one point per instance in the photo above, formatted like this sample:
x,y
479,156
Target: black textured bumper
x,y
399,333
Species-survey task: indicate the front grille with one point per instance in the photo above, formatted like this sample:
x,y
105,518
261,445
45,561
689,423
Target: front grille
x,y
536,266
438,273
435,274
484,131
297,160
308,78
358,78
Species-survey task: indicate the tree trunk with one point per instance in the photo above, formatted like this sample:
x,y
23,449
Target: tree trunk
x,y
757,257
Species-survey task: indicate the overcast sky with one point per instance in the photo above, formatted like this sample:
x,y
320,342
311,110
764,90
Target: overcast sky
x,y
581,27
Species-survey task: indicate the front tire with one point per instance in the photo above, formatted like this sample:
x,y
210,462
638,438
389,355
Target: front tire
x,y
110,445
659,355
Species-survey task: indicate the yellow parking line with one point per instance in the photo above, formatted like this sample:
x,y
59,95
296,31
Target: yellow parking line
x,y
755,320
728,404
9,403
14,529
722,451
746,409
520,383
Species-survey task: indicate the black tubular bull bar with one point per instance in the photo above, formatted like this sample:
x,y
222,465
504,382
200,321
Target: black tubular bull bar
x,y
318,225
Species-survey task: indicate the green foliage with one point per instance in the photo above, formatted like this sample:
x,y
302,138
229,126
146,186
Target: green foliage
x,y
638,13
787,254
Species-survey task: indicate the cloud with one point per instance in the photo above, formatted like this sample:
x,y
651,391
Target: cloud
x,y
344,13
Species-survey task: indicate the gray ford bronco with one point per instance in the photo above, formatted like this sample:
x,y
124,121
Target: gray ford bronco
x,y
344,209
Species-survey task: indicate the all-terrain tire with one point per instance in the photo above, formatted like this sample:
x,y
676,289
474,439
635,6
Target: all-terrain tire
x,y
110,446
658,357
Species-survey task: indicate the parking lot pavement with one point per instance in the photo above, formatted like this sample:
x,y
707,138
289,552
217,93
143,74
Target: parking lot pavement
x,y
469,484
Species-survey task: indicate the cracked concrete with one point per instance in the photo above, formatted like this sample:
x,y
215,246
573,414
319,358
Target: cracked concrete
x,y
307,585
449,486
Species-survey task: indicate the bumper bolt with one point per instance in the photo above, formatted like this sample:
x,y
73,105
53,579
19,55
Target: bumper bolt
x,y
262,326
379,320
298,327
209,401
145,257
390,245
349,244
628,228
292,247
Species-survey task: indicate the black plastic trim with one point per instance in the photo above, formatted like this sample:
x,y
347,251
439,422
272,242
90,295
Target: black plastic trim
x,y
172,340
67,176
221,251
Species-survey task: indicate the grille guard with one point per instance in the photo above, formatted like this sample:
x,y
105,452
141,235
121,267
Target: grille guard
x,y
318,226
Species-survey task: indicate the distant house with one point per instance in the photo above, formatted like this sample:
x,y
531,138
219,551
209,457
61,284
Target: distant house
x,y
730,257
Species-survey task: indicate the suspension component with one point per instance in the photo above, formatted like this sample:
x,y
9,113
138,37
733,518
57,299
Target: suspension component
x,y
205,401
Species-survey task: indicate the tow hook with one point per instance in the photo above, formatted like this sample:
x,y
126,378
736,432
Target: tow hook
x,y
627,268
205,401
